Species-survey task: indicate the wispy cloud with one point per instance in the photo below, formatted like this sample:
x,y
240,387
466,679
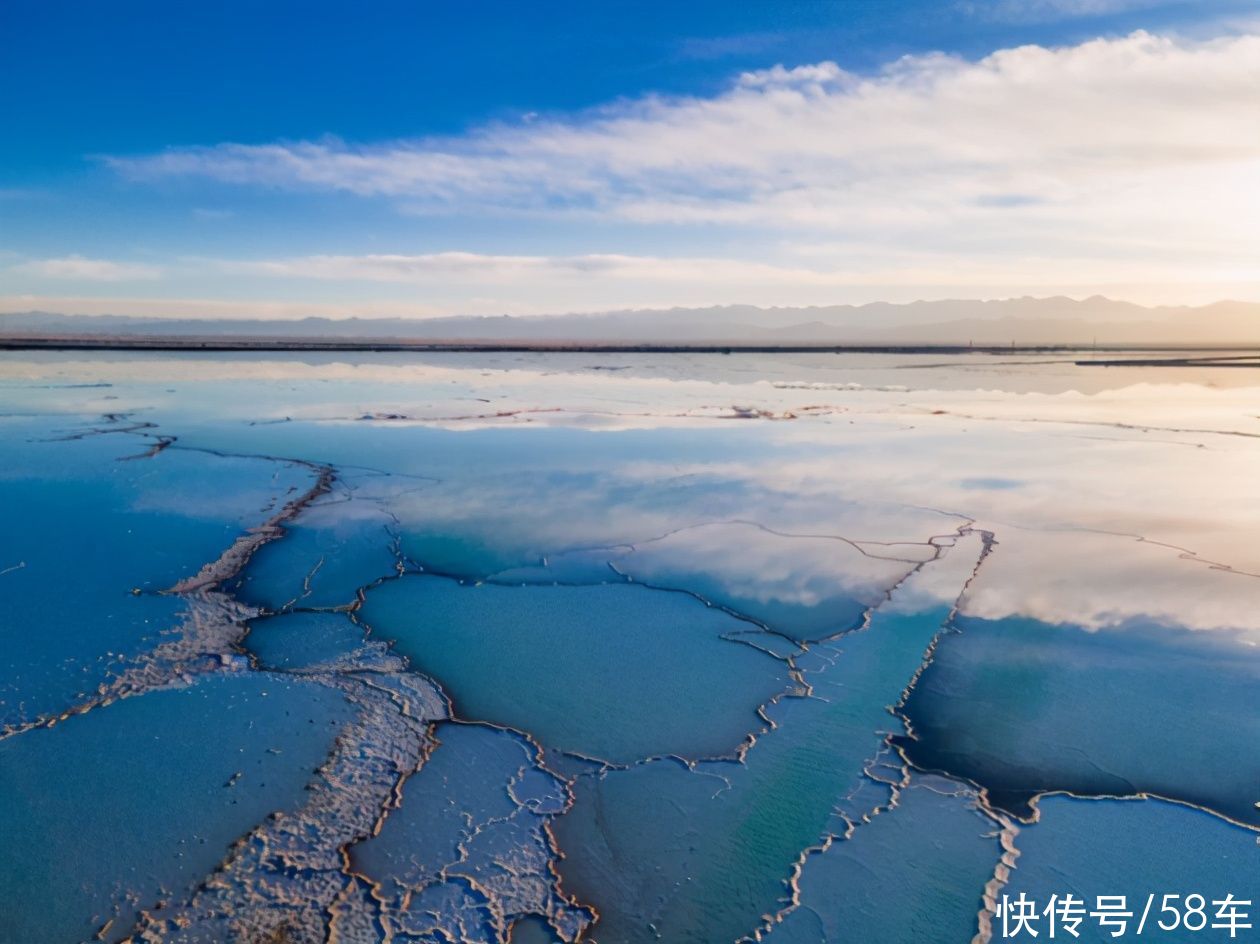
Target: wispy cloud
x,y
722,47
782,138
493,284
529,271
715,278
1129,150
202,307
78,268
1036,11
212,213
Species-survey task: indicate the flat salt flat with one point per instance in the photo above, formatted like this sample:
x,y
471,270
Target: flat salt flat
x,y
809,564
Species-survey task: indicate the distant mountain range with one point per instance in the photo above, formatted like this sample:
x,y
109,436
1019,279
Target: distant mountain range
x,y
1019,321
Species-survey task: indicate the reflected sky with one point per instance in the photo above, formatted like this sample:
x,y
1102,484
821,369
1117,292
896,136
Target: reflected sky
x,y
694,578
1069,464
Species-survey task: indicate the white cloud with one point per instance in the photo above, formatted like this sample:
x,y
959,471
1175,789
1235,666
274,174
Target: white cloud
x,y
78,268
1138,156
812,140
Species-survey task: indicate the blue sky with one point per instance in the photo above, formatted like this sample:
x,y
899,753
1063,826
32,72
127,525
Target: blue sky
x,y
423,158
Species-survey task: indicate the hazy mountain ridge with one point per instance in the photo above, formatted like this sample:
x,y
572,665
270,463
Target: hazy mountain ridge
x,y
1054,320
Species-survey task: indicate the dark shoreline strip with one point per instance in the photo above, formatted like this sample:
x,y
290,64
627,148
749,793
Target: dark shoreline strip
x,y
1240,360
244,344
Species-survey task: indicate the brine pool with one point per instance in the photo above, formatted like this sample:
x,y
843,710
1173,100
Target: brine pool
x,y
622,648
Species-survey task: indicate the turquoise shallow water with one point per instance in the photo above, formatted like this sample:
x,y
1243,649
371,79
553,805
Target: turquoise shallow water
x,y
1023,707
1137,849
614,582
92,540
911,874
302,640
715,856
134,803
617,672
336,547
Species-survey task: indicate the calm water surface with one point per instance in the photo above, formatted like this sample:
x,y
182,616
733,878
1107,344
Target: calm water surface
x,y
559,647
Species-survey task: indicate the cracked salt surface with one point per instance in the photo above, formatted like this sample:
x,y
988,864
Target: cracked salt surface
x,y
1131,848
132,805
755,564
341,542
98,540
715,862
927,854
476,817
